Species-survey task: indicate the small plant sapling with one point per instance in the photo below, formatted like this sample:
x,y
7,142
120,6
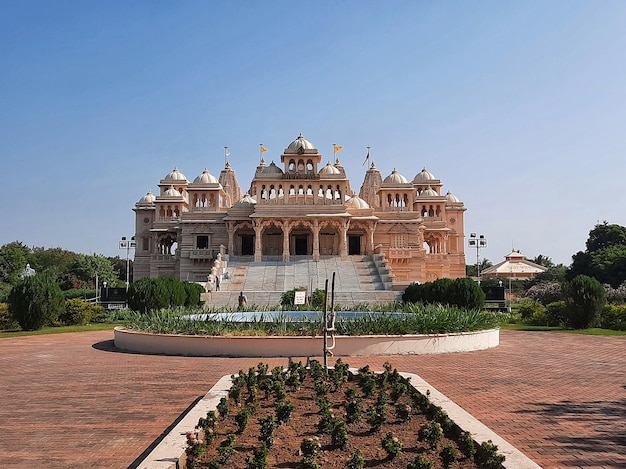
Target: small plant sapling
x,y
223,408
467,445
258,460
308,463
262,369
376,417
430,433
309,447
339,434
391,445
487,456
242,417
268,425
354,411
356,461
447,455
283,411
420,462
404,412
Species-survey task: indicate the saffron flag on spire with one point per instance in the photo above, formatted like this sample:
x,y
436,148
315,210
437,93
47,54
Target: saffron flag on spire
x,y
337,148
367,158
263,149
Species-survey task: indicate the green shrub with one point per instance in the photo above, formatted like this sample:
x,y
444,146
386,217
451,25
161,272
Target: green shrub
x,y
613,317
585,297
556,314
461,292
194,292
79,312
148,294
465,293
79,293
7,321
532,312
36,301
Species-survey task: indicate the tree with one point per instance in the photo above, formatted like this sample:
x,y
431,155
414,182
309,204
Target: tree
x,y
85,267
36,301
13,259
543,260
584,298
470,269
605,257
605,235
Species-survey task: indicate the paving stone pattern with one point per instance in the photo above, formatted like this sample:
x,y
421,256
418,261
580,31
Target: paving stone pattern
x,y
74,401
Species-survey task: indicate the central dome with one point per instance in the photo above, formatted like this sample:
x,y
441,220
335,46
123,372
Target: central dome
x,y
300,143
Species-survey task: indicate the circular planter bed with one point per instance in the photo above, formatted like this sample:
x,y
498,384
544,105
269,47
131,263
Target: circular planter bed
x,y
295,346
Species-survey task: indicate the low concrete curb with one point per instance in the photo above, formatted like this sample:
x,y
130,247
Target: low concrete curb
x,y
288,346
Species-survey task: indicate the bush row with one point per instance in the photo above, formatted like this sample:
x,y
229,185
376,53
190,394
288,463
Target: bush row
x,y
461,292
579,303
151,294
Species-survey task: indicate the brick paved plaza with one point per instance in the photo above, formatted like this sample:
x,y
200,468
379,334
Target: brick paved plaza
x,y
74,401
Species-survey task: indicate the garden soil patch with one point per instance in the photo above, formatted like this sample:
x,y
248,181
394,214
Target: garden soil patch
x,y
303,424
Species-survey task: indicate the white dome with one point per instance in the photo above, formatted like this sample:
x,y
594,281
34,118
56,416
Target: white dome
x,y
147,199
175,175
300,143
246,201
356,202
329,169
450,197
424,175
395,178
205,178
428,193
272,169
171,192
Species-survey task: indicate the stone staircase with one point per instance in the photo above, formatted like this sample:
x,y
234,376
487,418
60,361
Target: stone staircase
x,y
357,280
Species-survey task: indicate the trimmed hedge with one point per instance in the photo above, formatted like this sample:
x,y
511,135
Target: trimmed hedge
x,y
461,292
151,294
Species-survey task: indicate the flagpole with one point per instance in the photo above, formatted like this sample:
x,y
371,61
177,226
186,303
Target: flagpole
x,y
225,155
260,152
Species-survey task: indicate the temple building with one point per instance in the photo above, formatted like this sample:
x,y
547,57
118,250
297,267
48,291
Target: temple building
x,y
300,208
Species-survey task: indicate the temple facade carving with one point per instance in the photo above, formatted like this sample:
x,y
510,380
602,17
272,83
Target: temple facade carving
x,y
300,207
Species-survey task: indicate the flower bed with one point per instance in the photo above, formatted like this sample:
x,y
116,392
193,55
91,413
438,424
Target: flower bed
x,y
305,418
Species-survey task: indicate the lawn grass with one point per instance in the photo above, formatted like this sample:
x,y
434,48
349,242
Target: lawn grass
x,y
60,330
590,331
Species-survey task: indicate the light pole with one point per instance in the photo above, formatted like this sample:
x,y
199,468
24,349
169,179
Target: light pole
x,y
128,245
477,242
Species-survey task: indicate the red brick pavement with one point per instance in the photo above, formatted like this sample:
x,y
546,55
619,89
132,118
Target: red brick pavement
x,y
73,401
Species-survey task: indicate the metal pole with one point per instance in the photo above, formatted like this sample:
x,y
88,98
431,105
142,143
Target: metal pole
x,y
478,260
325,326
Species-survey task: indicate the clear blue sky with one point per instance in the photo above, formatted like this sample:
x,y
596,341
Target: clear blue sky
x,y
518,107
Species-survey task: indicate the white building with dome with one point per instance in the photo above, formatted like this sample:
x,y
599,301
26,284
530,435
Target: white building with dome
x,y
300,207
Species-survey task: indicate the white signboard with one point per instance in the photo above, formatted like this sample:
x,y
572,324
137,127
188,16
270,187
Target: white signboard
x,y
300,297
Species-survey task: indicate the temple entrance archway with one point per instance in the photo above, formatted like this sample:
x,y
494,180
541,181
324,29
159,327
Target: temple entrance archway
x,y
354,245
247,245
301,245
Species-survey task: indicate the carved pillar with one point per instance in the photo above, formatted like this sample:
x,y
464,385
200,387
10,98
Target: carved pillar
x,y
258,245
343,240
316,241
286,231
231,238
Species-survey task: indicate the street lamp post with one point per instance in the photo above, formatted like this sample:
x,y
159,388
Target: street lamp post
x,y
127,244
477,242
